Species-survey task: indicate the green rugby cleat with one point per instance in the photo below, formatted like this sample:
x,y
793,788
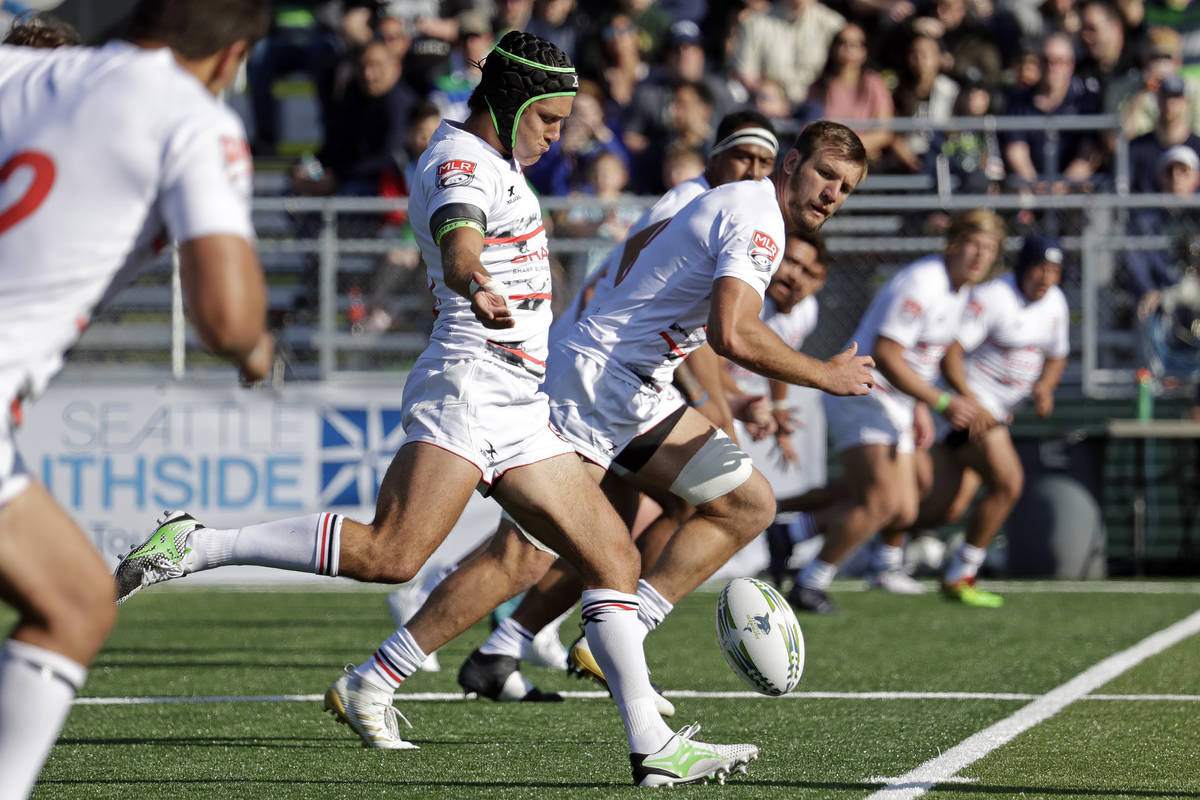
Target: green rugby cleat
x,y
964,591
682,760
159,558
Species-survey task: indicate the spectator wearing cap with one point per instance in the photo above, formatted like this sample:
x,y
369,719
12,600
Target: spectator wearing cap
x,y
1079,154
1135,97
1148,272
1173,128
647,115
789,44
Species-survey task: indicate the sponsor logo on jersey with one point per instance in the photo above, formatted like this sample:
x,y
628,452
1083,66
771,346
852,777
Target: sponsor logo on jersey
x,y
357,445
974,308
763,251
455,173
239,165
910,310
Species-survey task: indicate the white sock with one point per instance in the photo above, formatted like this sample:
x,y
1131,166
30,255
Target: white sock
x,y
37,687
888,558
652,606
310,543
398,657
817,575
510,638
615,634
964,564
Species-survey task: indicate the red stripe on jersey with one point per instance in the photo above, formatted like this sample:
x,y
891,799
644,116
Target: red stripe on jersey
x,y
522,238
537,296
674,347
520,353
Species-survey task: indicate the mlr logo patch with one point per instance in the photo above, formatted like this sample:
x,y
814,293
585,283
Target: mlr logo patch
x,y
455,173
763,251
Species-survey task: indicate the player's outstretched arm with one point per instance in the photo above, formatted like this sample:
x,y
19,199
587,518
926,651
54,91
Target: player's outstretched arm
x,y
959,409
736,332
226,297
463,272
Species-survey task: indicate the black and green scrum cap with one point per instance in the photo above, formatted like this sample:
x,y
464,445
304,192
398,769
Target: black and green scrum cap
x,y
521,69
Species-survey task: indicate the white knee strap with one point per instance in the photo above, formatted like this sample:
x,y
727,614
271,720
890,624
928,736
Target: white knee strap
x,y
529,537
716,469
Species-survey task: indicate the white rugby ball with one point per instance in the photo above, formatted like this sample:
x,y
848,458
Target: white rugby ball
x,y
760,637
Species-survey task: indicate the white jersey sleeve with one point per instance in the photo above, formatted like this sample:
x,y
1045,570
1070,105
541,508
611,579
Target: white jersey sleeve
x,y
208,178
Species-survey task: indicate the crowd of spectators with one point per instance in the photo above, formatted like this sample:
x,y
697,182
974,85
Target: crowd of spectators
x,y
655,75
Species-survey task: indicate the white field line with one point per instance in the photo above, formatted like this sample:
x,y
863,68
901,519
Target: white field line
x,y
443,697
917,782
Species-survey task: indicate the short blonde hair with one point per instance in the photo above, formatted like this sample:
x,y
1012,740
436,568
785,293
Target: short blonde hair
x,y
979,220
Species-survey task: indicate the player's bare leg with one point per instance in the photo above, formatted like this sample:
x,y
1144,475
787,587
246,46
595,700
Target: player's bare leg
x,y
993,457
421,497
881,491
720,526
507,566
62,590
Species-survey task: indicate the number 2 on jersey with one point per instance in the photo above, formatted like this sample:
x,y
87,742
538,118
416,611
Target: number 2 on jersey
x,y
39,187
635,244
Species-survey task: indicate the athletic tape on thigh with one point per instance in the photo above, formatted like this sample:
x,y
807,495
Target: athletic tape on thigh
x,y
716,469
529,537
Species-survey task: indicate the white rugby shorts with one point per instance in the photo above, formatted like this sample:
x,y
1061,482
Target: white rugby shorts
x,y
482,411
13,476
877,418
600,408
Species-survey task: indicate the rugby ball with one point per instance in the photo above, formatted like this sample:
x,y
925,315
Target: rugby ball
x,y
760,637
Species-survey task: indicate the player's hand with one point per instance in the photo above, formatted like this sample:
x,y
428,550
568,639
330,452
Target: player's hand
x,y
751,409
1043,400
256,365
786,423
848,373
924,430
983,422
961,412
785,450
490,308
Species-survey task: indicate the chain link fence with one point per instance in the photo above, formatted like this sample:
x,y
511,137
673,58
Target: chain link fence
x,y
348,292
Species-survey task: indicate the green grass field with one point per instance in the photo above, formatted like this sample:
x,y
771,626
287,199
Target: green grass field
x,y
887,687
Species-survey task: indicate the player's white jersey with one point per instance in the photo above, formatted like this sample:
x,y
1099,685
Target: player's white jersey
x,y
103,153
793,327
1007,340
673,200
918,310
656,313
460,168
